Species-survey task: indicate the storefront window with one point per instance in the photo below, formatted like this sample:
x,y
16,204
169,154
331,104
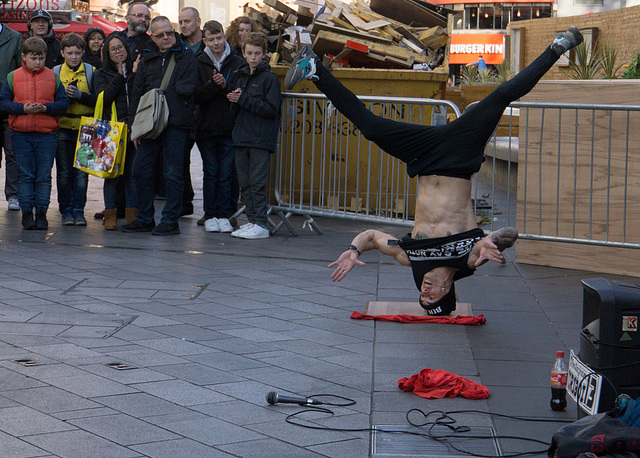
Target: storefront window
x,y
471,18
521,13
498,16
485,17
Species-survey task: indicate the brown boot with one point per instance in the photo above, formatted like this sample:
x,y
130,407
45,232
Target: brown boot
x,y
110,220
130,215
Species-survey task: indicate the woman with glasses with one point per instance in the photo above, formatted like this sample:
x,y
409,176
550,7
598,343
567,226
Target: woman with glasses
x,y
116,80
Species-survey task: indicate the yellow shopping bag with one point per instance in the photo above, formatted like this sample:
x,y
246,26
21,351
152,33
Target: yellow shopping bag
x,y
102,144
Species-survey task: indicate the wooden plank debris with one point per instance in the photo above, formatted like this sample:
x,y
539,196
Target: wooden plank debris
x,y
352,33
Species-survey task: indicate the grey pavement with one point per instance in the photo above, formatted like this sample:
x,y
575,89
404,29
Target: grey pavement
x,y
167,346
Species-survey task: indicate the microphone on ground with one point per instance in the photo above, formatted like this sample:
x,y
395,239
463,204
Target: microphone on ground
x,y
275,398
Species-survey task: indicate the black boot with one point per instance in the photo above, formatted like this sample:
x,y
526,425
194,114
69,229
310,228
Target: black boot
x,y
41,222
28,222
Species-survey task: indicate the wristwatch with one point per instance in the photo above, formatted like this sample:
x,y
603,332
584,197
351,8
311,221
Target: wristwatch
x,y
355,248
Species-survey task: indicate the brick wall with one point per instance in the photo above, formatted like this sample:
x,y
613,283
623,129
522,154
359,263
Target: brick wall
x,y
620,27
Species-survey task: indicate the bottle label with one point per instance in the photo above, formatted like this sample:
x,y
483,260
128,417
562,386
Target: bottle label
x,y
559,378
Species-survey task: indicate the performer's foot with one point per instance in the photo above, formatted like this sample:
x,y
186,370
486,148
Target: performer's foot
x,y
570,39
303,67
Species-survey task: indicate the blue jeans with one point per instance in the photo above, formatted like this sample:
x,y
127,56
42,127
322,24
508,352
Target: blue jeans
x,y
34,153
252,165
217,164
71,182
171,146
110,189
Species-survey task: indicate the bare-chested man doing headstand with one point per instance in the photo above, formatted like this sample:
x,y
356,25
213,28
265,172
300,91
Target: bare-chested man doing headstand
x,y
446,243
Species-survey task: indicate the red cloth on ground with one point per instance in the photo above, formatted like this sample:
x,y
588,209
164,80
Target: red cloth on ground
x,y
459,319
438,384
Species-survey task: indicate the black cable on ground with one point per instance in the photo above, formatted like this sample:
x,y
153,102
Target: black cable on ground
x,y
444,420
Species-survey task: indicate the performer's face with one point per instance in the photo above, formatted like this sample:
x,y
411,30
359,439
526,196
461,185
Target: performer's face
x,y
431,291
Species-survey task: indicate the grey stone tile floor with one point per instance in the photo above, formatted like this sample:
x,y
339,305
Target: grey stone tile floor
x,y
207,325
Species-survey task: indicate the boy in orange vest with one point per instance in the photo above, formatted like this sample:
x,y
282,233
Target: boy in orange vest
x,y
34,98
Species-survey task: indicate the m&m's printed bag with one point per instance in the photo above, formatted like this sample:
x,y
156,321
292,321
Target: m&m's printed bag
x,y
102,144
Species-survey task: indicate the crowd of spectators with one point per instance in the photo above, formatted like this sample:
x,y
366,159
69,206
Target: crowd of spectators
x,y
222,97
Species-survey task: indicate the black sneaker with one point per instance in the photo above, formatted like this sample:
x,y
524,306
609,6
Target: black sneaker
x,y
28,223
166,229
303,67
41,222
138,226
568,40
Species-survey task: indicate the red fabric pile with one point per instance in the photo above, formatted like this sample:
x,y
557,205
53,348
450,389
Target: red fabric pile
x,y
436,384
460,319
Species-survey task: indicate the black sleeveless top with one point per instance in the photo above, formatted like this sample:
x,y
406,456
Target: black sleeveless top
x,y
449,251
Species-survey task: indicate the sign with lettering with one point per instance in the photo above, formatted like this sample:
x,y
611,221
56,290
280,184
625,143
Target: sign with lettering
x,y
465,48
30,5
584,385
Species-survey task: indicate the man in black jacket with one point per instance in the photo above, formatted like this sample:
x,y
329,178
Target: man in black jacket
x,y
135,35
191,35
166,46
10,59
41,25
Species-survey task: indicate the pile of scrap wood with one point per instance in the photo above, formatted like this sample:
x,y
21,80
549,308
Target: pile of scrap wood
x,y
382,34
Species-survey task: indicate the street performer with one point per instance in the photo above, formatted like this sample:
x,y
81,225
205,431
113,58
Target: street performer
x,y
446,243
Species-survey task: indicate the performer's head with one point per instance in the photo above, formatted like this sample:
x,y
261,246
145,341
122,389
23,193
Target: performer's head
x,y
438,292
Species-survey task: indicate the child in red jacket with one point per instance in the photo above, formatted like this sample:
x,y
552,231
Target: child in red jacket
x,y
34,98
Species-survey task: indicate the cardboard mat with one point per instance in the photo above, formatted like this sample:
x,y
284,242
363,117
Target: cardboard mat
x,y
374,308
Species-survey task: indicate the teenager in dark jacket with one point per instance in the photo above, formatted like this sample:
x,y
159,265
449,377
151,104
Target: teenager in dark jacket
x,y
214,126
256,106
171,143
116,80
94,40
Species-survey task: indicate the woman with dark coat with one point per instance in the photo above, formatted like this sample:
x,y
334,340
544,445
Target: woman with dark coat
x,y
116,80
94,39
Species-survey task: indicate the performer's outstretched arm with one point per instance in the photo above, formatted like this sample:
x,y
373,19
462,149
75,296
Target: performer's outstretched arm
x,y
366,241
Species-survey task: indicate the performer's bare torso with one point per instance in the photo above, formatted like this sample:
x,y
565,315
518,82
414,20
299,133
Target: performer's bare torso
x,y
443,207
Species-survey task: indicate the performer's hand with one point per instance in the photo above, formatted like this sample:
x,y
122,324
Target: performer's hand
x,y
489,252
344,264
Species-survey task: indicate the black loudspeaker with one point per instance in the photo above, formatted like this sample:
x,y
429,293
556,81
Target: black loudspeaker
x,y
610,339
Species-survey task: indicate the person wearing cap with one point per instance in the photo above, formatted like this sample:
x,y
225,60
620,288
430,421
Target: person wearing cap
x,y
94,39
10,60
40,25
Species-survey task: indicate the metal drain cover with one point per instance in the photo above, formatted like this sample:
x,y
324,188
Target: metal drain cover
x,y
398,444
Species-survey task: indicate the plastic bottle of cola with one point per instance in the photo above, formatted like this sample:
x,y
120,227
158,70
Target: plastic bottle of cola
x,y
559,383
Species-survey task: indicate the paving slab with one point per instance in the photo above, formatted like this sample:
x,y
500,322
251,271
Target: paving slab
x,y
212,324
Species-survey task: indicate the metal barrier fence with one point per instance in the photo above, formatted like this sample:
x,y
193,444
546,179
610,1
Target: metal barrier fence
x,y
578,169
579,173
325,167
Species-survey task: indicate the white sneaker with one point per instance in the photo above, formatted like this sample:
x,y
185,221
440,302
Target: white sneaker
x,y
241,230
211,225
255,232
225,225
14,204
